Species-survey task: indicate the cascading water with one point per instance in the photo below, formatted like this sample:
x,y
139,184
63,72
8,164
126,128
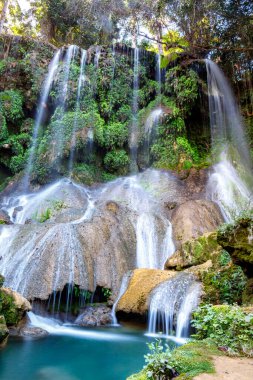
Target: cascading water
x,y
123,288
41,113
150,132
171,305
229,184
133,138
79,89
58,132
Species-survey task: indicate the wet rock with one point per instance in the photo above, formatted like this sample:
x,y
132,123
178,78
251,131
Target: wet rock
x,y
3,329
16,211
142,282
194,218
95,316
4,218
33,332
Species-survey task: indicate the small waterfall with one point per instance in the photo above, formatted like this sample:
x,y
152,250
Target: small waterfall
x,y
41,110
172,303
133,143
123,288
55,327
77,110
227,184
159,75
150,131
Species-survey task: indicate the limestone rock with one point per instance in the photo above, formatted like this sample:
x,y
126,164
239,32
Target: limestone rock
x,y
95,316
142,282
33,332
199,270
194,218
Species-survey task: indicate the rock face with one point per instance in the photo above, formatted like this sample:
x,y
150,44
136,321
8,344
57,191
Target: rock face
x,y
3,329
143,281
194,218
95,316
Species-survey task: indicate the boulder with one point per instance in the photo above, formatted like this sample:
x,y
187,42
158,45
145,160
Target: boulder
x,y
194,218
33,332
95,316
3,329
142,282
4,217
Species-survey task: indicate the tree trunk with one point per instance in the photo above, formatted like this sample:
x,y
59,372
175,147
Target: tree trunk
x,y
3,15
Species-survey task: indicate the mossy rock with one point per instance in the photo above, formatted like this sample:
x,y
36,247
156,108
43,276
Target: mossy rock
x,y
237,239
195,252
13,306
3,329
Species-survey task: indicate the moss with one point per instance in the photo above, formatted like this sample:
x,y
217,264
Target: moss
x,y
8,309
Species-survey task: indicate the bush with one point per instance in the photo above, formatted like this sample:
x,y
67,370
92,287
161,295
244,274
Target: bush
x,y
11,103
228,326
116,160
3,127
111,135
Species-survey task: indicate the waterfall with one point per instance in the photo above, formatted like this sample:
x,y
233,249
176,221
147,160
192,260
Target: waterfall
x,y
229,184
77,110
171,304
158,75
150,131
123,288
41,110
133,143
58,132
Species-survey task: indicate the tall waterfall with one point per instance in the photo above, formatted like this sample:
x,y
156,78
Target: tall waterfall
x,y
171,305
133,142
229,184
79,89
41,110
58,132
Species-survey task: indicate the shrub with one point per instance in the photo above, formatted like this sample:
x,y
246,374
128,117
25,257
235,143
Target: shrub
x,y
228,326
116,160
111,135
11,102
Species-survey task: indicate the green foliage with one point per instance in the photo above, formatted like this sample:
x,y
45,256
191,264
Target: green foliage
x,y
158,361
43,216
11,103
228,326
111,135
3,130
116,160
172,154
188,361
183,86
106,293
224,285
